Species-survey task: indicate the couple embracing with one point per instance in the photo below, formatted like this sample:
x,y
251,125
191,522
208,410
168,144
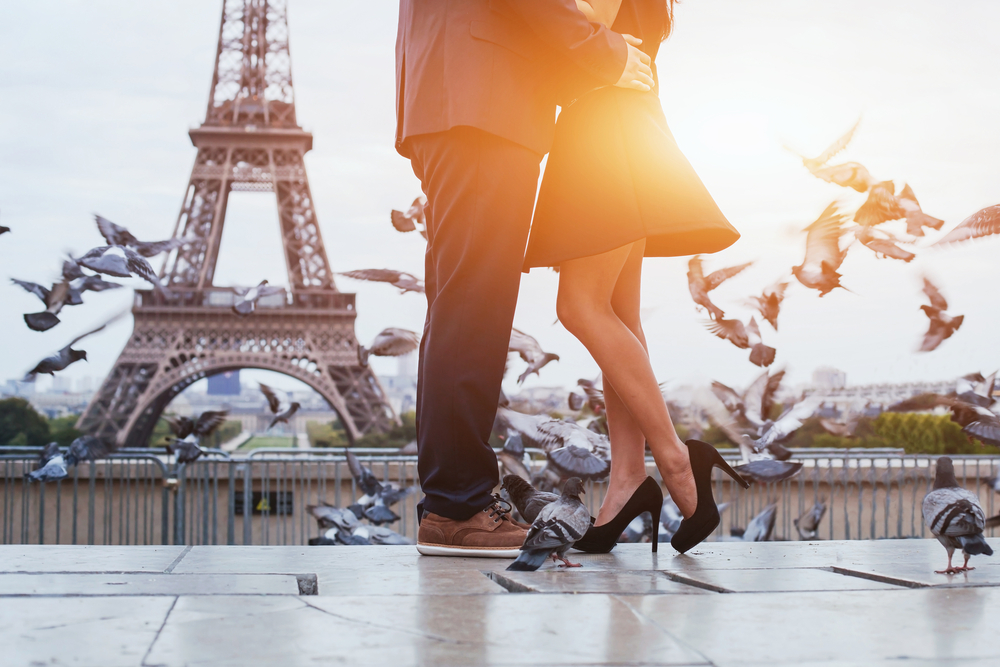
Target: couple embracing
x,y
478,83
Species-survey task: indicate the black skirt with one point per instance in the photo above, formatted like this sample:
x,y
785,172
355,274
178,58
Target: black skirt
x,y
614,176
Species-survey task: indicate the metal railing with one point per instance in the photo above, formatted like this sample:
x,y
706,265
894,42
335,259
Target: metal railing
x,y
142,497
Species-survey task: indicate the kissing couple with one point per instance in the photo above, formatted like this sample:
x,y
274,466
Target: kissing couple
x,y
477,86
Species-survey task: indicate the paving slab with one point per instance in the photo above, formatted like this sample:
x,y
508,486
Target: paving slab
x,y
105,632
387,581
134,583
921,572
414,630
82,558
859,627
773,581
578,581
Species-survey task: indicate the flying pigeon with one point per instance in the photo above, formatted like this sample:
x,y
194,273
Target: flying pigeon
x,y
981,223
807,525
530,352
570,448
378,497
406,282
955,517
768,304
885,245
976,421
4,230
189,433
121,262
833,149
916,219
760,354
274,403
86,448
881,205
594,394
942,325
847,175
415,218
556,528
511,457
204,425
64,357
976,389
118,235
54,299
246,303
700,285
823,254
390,342
187,450
525,498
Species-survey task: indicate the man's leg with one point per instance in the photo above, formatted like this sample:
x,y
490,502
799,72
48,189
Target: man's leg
x,y
481,192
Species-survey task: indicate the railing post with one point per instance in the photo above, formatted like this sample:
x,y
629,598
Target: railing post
x,y
247,504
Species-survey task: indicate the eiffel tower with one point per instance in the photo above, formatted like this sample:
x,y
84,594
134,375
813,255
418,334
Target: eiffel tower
x,y
250,142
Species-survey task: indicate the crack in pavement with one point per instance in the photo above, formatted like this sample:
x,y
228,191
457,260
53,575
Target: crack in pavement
x,y
157,637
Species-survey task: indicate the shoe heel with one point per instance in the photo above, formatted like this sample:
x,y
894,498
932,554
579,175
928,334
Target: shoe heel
x,y
654,514
726,468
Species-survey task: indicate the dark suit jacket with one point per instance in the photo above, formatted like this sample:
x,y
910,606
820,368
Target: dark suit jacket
x,y
497,65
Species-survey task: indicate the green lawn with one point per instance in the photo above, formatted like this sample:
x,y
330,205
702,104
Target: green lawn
x,y
256,442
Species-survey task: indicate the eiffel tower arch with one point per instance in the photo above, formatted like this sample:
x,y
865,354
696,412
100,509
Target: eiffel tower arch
x,y
250,141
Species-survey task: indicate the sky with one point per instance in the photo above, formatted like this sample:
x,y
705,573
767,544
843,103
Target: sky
x,y
98,97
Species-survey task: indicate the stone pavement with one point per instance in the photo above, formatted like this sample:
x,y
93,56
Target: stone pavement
x,y
780,603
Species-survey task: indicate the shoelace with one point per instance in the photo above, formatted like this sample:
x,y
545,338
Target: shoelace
x,y
499,509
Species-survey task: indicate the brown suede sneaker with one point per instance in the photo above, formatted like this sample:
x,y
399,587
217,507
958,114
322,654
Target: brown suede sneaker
x,y
490,533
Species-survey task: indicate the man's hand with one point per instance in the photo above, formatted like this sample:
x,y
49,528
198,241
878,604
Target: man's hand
x,y
637,75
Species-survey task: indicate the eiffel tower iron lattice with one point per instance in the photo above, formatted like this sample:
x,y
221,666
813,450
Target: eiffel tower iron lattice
x,y
250,141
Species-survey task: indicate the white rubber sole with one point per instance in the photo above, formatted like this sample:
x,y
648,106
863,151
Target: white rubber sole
x,y
466,552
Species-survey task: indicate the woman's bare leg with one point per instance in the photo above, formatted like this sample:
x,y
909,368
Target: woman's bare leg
x,y
628,444
588,295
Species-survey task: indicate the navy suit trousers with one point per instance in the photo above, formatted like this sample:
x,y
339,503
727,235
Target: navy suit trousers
x,y
481,191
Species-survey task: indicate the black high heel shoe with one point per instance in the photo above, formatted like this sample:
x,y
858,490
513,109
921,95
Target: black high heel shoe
x,y
705,519
602,539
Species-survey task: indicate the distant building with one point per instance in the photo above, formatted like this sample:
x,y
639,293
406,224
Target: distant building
x,y
62,385
825,377
85,385
224,384
18,388
401,388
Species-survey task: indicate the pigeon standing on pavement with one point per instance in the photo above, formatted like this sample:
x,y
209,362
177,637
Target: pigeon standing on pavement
x,y
761,527
955,517
525,498
808,524
557,528
281,414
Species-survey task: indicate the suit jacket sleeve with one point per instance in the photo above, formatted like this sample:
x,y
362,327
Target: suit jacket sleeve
x,y
593,47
